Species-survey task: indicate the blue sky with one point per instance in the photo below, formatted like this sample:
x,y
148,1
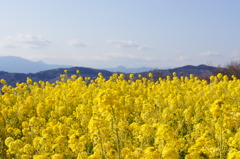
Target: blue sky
x,y
133,33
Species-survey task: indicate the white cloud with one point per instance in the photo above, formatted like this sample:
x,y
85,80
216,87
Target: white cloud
x,y
76,43
209,53
127,44
24,41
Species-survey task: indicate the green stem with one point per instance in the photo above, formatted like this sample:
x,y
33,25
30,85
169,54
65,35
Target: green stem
x,y
117,134
101,143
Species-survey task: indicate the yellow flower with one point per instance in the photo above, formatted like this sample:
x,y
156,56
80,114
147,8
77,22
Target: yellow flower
x,y
174,74
8,141
170,152
150,75
28,149
74,77
29,80
57,156
3,81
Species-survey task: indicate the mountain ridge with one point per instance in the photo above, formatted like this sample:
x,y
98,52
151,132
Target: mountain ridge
x,y
15,64
54,74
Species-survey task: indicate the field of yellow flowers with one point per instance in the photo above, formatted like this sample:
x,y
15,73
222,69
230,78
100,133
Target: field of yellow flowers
x,y
76,117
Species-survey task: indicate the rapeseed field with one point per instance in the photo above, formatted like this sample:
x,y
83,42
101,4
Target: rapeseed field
x,y
139,118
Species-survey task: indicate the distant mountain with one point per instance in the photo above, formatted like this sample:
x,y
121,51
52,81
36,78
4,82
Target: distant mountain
x,y
124,69
195,70
200,71
53,75
15,64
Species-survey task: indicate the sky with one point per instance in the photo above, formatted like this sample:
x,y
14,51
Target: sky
x,y
133,33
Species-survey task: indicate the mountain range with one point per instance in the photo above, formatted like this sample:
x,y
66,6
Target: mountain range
x,y
16,64
51,75
53,72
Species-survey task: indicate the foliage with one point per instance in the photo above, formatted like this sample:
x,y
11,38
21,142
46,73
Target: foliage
x,y
232,68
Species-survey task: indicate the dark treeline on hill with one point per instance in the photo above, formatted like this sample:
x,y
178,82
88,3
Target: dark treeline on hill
x,y
54,74
233,68
201,71
51,75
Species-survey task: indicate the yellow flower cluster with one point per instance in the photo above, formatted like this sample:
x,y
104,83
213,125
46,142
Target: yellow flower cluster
x,y
176,117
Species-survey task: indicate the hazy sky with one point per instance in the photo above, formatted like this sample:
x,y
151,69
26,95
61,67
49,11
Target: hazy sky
x,y
133,33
